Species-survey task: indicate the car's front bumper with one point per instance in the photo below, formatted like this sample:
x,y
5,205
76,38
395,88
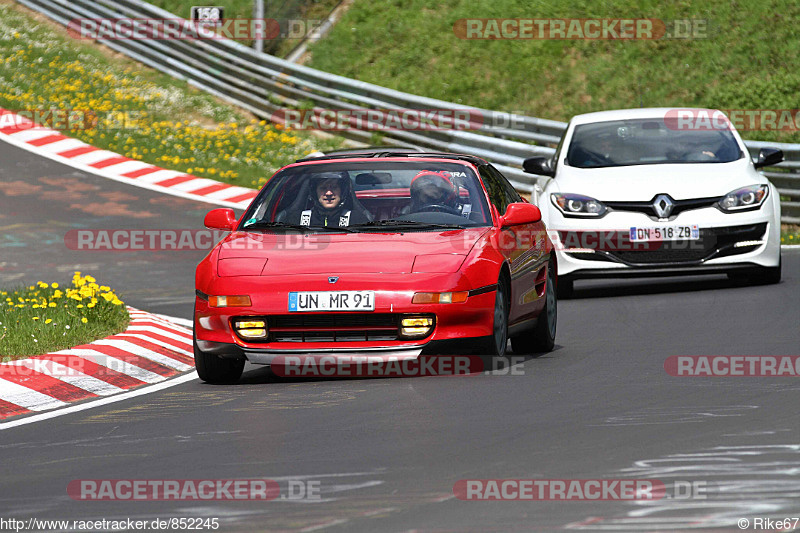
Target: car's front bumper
x,y
265,356
311,332
602,248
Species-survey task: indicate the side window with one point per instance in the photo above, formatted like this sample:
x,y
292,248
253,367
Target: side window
x,y
495,189
509,192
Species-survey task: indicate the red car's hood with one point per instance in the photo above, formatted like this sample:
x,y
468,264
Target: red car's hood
x,y
247,254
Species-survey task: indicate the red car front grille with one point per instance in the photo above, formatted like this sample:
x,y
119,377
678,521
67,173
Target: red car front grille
x,y
349,327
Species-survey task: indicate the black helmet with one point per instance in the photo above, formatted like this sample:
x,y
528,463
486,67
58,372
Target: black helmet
x,y
433,188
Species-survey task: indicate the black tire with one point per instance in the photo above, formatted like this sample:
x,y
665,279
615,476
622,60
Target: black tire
x,y
543,337
566,286
496,344
214,369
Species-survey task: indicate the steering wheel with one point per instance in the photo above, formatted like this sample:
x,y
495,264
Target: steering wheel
x,y
439,208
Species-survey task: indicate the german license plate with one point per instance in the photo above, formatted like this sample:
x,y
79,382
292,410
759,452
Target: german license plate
x,y
666,233
332,301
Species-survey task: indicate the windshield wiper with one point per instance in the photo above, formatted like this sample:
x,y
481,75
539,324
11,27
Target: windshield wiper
x,y
412,224
300,227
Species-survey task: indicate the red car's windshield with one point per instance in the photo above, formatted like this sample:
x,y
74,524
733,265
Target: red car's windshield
x,y
370,195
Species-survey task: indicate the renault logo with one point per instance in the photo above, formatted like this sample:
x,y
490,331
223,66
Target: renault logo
x,y
333,279
663,205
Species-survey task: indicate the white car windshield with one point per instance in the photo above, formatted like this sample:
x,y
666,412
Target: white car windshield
x,y
647,142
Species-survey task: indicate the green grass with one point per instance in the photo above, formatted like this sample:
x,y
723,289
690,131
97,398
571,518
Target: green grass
x,y
47,317
750,60
171,124
790,234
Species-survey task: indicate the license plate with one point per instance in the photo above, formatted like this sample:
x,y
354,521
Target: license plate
x,y
332,301
666,233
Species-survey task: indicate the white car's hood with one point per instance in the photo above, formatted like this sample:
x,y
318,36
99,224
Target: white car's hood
x,y
643,182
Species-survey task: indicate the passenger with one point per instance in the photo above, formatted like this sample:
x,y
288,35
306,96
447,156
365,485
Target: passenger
x,y
434,191
330,202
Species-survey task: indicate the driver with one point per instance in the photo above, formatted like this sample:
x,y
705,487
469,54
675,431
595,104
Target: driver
x,y
332,202
433,191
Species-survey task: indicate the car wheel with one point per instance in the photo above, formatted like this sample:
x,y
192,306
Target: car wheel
x,y
496,344
214,369
565,287
765,275
543,337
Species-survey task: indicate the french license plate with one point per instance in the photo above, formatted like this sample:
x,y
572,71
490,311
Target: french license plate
x,y
666,233
332,301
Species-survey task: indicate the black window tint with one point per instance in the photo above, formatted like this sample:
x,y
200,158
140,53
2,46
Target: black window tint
x,y
495,189
510,193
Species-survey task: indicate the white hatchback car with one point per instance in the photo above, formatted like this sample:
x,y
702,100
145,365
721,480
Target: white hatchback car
x,y
659,192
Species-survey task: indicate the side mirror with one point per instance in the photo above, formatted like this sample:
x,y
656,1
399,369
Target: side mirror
x,y
538,165
223,218
768,157
520,213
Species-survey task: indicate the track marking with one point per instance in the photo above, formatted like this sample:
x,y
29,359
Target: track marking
x,y
97,403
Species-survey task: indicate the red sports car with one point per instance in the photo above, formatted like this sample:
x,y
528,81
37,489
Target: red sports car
x,y
377,254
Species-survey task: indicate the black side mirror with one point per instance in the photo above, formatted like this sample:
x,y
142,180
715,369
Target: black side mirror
x,y
768,157
538,165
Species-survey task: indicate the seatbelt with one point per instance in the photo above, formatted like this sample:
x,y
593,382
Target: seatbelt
x,y
305,218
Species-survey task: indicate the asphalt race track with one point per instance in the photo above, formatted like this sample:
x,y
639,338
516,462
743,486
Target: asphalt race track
x,y
384,454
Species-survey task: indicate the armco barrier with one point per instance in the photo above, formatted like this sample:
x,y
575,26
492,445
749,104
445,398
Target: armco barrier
x,y
263,84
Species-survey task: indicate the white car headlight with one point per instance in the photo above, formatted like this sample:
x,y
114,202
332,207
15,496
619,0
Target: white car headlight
x,y
746,198
576,205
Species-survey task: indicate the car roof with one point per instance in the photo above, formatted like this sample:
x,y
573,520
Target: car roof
x,y
396,154
623,114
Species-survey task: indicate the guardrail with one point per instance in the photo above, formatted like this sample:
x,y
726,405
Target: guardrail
x,y
264,84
